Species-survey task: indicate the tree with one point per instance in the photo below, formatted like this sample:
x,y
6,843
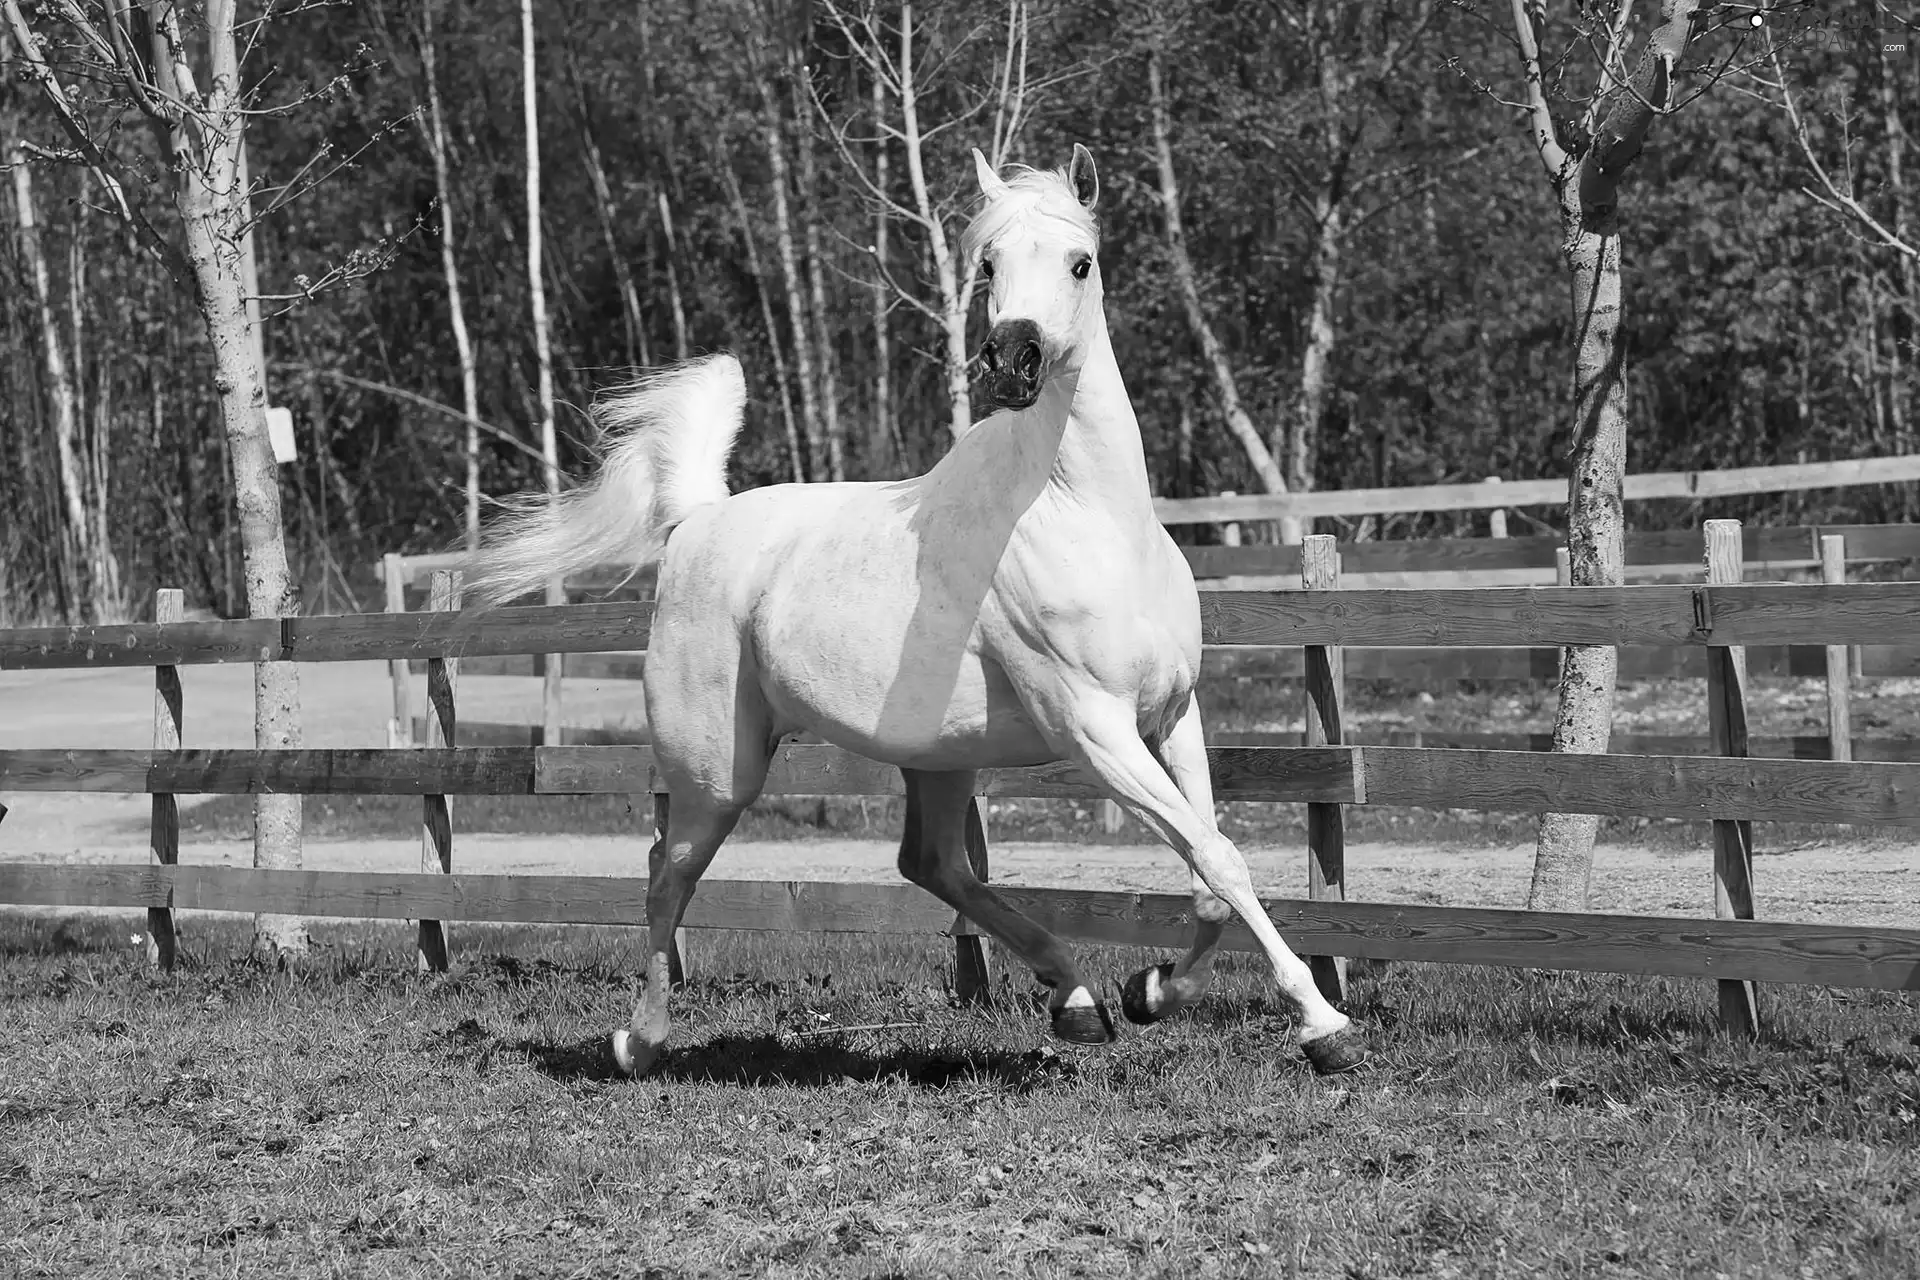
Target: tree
x,y
1585,173
902,87
190,92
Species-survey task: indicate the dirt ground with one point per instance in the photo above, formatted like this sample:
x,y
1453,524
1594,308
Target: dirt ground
x,y
1869,880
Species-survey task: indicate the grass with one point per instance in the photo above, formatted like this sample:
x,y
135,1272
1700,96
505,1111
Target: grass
x,y
353,1118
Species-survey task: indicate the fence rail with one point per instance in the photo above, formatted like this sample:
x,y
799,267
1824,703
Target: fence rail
x,y
1709,622
1490,495
1837,955
1656,615
1765,549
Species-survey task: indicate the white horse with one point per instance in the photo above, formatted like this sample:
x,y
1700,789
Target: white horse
x,y
1019,604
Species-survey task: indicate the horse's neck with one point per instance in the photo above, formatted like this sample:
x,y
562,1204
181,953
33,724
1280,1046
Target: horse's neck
x,y
1100,460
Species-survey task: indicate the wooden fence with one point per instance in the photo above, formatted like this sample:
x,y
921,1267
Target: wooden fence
x,y
1726,787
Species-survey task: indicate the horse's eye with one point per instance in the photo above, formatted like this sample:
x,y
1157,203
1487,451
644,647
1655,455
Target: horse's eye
x,y
986,268
1081,268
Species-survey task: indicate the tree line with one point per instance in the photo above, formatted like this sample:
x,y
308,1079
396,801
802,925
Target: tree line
x,y
1331,259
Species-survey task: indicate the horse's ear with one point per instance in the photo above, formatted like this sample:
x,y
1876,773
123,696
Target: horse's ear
x,y
1082,177
992,186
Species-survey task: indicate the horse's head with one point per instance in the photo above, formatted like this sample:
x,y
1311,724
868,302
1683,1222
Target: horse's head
x,y
1036,242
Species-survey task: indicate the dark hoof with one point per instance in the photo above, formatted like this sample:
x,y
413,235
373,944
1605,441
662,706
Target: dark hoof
x,y
1084,1024
1340,1052
1133,995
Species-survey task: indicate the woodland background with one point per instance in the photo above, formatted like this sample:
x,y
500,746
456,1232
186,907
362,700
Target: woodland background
x,y
1368,233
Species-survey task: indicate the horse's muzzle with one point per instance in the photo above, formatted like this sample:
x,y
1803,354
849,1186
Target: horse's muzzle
x,y
1012,358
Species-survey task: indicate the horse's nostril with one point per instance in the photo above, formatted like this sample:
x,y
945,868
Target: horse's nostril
x,y
1029,363
990,358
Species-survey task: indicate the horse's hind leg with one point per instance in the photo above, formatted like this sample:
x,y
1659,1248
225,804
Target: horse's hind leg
x,y
933,855
696,827
714,750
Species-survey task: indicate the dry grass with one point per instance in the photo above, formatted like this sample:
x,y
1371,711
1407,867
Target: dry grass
x,y
357,1119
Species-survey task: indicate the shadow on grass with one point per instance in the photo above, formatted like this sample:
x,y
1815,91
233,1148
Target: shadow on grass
x,y
760,1061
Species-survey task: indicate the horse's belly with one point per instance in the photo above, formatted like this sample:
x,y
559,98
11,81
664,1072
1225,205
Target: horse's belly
x,y
902,700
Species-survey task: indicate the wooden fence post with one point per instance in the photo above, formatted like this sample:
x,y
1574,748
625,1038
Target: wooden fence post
x,y
1732,840
1496,517
556,667
1326,826
1230,531
400,728
972,970
1833,569
169,605
436,836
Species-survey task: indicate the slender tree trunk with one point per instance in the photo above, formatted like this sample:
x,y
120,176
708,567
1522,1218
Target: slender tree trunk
x,y
883,445
76,544
680,347
780,377
796,308
1586,187
436,131
212,204
1239,422
822,331
536,273
1303,446
1901,357
953,299
607,209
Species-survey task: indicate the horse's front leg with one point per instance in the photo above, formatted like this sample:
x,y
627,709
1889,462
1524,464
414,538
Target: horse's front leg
x,y
1175,800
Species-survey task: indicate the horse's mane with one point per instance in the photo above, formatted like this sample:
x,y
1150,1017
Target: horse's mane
x,y
1045,192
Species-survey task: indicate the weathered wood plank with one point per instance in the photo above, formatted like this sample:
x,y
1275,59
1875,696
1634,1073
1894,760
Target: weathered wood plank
x,y
1781,478
1519,781
476,771
140,644
1745,614
575,628
805,769
1887,750
436,817
1763,548
163,831
1324,688
1833,569
1650,786
1732,838
1836,955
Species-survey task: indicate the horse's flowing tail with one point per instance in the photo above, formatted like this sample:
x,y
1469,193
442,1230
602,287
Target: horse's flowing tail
x,y
664,440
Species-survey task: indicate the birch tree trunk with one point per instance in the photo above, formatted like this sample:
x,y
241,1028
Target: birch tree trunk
x,y
1586,186
75,541
680,347
436,131
796,307
536,274
828,395
1315,362
1239,422
759,274
953,302
882,446
205,150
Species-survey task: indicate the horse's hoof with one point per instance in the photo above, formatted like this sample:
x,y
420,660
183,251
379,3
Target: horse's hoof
x,y
632,1056
1138,992
1084,1024
1342,1051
